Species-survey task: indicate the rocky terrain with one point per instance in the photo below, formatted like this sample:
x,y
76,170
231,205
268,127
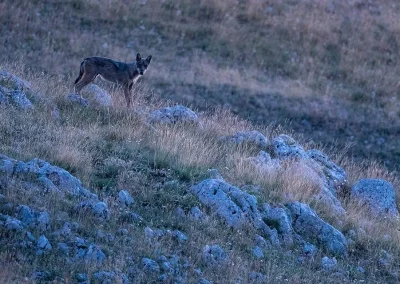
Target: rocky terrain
x,y
174,196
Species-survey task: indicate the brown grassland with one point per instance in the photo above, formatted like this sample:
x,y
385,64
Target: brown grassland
x,y
325,72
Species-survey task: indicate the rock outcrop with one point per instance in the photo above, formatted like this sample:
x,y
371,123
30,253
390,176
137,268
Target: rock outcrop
x,y
279,225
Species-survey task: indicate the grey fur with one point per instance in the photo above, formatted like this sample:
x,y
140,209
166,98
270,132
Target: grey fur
x,y
125,74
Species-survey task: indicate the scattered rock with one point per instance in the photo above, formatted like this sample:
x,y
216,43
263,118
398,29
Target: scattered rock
x,y
125,198
213,255
254,138
75,98
105,277
101,97
307,223
377,194
150,265
13,224
328,263
309,250
63,248
95,254
172,115
285,147
257,277
81,277
197,214
131,217
12,82
43,245
257,252
385,259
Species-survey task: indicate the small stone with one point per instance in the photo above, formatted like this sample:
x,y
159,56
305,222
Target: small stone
x,y
43,245
180,213
43,221
13,224
122,232
181,237
94,253
197,214
213,255
150,265
63,248
258,253
100,210
125,198
309,250
257,277
105,277
81,277
328,263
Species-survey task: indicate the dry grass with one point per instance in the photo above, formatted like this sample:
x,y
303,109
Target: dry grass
x,y
301,49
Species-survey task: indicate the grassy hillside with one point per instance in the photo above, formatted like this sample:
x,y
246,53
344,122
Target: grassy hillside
x,y
326,69
324,72
113,148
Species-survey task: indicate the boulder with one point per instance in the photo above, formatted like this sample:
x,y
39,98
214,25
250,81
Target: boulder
x,y
100,96
254,138
172,115
312,228
229,202
377,195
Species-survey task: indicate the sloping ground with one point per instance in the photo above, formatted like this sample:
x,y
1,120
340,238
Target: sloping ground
x,y
323,68
107,194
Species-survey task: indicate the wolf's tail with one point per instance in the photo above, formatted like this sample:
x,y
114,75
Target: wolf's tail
x,y
80,73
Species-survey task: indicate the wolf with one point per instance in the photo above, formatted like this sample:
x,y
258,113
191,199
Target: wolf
x,y
124,74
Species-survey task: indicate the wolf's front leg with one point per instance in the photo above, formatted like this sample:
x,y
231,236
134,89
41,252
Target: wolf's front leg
x,y
127,92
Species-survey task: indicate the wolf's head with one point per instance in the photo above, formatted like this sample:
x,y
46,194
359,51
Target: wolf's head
x,y
142,64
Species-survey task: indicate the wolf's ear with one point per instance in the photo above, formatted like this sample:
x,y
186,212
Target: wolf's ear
x,y
138,57
148,59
